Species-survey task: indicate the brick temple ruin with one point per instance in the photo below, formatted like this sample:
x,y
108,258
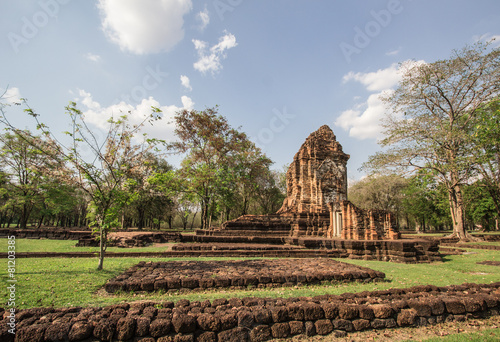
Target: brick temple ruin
x,y
316,204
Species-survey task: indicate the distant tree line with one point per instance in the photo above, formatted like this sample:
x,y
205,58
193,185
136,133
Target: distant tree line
x,y
222,176
421,204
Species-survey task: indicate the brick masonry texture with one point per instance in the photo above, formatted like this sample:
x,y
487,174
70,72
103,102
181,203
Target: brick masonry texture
x,y
190,275
256,319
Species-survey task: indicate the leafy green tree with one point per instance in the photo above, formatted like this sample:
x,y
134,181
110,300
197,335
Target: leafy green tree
x,y
434,109
27,168
486,145
186,207
214,161
425,202
4,197
270,192
382,192
480,207
145,198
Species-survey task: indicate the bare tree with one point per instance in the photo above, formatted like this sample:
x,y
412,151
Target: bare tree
x,y
434,110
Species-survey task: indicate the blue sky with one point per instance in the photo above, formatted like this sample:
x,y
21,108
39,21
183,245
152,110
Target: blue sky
x,y
279,69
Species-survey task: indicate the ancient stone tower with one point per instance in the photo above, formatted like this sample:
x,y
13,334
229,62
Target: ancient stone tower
x,y
316,203
317,183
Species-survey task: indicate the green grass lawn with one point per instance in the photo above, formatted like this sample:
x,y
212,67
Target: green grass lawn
x,y
488,335
59,246
75,281
484,243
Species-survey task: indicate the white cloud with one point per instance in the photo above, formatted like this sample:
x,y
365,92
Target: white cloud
x,y
185,82
211,60
92,57
187,102
10,96
204,18
363,120
376,81
98,115
495,38
146,26
393,52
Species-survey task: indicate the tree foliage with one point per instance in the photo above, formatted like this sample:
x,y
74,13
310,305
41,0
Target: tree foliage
x,y
221,164
486,145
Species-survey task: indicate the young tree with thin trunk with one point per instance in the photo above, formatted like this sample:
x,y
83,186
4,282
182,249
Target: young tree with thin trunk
x,y
101,167
434,110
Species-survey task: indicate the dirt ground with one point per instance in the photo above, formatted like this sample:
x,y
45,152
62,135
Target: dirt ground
x,y
406,334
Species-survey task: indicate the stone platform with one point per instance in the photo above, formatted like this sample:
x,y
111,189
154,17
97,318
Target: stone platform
x,y
237,274
401,251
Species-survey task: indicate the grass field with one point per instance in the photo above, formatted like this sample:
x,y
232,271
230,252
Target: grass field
x,y
489,335
62,282
60,246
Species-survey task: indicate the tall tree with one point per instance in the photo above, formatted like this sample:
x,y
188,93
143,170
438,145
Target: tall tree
x,y
214,158
425,202
144,194
383,192
481,211
486,144
434,109
27,167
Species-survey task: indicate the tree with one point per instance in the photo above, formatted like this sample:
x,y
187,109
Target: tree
x,y
102,171
145,198
271,191
382,192
27,168
481,211
434,110
214,162
426,202
486,144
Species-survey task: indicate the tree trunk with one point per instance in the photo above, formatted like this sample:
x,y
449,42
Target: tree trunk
x,y
101,250
204,214
23,220
194,217
457,212
40,222
102,247
184,220
140,218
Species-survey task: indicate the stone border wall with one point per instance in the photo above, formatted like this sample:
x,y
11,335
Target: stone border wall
x,y
188,254
43,233
139,240
256,319
231,247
